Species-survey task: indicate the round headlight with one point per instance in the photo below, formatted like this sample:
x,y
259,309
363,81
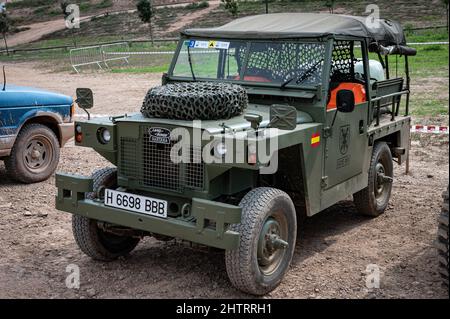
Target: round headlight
x,y
220,149
104,135
78,129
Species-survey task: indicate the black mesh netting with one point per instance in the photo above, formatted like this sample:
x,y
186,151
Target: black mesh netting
x,y
282,61
195,101
343,64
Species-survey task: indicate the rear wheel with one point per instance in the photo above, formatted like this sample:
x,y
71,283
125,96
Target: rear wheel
x,y
374,199
442,240
35,154
90,237
268,233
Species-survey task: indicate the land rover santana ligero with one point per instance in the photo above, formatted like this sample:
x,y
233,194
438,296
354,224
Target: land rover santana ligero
x,y
314,91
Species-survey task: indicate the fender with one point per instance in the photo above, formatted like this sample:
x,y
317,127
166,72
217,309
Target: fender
x,y
61,126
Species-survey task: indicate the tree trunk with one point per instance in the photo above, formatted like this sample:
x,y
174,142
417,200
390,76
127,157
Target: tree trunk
x,y
447,16
6,44
151,33
73,38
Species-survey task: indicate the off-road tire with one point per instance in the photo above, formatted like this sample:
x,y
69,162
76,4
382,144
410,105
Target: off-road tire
x,y
442,240
242,263
19,163
365,200
90,238
195,101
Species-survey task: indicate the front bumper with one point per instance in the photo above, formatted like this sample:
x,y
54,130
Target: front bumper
x,y
194,228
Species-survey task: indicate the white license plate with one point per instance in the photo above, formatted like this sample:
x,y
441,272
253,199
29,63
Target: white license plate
x,y
136,203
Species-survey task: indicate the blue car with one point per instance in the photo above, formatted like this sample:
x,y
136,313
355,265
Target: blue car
x,y
34,124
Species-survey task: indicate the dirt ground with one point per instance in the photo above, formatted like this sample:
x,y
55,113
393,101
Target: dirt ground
x,y
334,247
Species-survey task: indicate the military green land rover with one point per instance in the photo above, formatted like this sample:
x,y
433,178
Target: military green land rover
x,y
257,122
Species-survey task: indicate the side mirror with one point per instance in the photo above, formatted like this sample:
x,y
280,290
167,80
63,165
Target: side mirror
x,y
283,117
85,98
345,101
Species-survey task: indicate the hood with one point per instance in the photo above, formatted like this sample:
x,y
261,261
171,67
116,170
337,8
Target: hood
x,y
237,123
18,96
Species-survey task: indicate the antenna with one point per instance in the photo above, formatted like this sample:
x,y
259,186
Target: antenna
x,y
4,79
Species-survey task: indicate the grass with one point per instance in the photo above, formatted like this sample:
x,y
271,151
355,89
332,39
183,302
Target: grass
x,y
29,4
424,108
431,35
197,5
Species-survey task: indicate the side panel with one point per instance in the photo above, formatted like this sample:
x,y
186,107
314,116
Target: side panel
x,y
346,148
310,138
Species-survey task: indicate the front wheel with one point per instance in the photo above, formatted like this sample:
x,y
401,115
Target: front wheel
x,y
99,244
92,239
268,233
374,199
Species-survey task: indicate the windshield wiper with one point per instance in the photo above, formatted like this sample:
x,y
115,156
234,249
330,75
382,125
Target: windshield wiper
x,y
190,64
302,77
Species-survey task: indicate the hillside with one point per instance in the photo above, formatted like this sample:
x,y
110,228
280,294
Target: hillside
x,y
29,11
168,21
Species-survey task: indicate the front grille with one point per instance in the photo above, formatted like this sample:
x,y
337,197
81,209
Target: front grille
x,y
128,155
151,166
194,170
159,170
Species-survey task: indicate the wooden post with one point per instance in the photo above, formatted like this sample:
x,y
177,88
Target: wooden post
x,y
407,156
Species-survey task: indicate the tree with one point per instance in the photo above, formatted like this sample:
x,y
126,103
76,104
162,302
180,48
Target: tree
x,y
145,10
5,23
231,6
64,5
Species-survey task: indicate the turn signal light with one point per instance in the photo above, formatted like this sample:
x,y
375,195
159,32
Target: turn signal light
x,y
79,137
78,134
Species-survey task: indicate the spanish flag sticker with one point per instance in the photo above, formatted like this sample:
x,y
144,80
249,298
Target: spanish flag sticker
x,y
315,140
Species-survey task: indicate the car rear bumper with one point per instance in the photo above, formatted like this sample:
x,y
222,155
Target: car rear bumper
x,y
194,228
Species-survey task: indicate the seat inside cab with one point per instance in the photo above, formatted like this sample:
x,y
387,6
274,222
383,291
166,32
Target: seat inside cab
x,y
355,84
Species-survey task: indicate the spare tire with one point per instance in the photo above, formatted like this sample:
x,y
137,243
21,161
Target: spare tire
x,y
195,101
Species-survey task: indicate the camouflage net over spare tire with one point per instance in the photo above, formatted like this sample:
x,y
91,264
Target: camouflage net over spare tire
x,y
195,101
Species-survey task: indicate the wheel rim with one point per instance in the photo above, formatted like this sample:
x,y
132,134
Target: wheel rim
x,y
379,183
38,154
272,244
382,183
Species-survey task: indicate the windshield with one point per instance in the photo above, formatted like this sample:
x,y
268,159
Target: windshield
x,y
280,63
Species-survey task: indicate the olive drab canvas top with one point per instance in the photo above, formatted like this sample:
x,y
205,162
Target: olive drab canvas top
x,y
305,25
